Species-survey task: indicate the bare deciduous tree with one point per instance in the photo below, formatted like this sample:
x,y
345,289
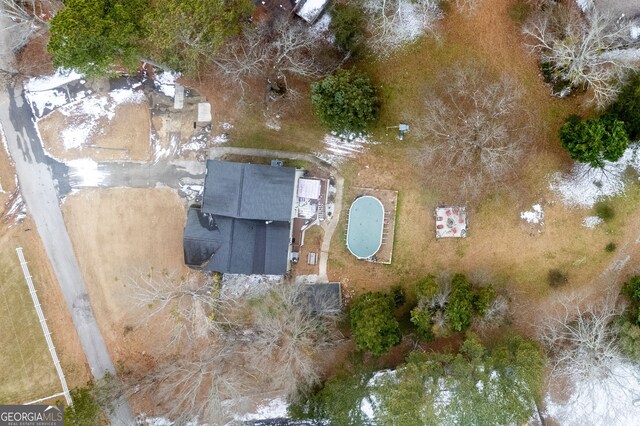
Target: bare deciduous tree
x,y
584,50
27,19
235,345
474,131
201,386
394,23
580,338
288,335
495,314
581,341
188,301
274,50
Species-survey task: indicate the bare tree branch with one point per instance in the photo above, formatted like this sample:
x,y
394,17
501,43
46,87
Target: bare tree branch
x,y
473,131
583,50
272,51
394,23
28,19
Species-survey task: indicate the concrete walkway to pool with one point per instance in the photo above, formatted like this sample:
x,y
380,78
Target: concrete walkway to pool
x,y
329,225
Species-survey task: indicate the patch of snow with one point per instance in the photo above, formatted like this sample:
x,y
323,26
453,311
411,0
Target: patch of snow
x,y
142,419
343,147
223,138
196,143
191,192
584,185
16,207
44,93
226,126
46,100
234,285
320,29
591,221
85,172
585,4
635,32
160,152
536,215
60,77
274,409
166,82
614,400
88,112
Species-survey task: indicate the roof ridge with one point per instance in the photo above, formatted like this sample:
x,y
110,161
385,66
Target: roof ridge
x,y
241,191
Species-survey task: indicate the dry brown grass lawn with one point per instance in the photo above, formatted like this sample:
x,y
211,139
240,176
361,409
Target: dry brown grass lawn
x,y
118,234
500,244
126,137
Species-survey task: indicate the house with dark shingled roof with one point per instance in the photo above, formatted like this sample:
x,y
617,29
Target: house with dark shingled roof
x,y
244,223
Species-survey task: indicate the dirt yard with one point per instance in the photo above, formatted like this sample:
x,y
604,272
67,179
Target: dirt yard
x,y
125,137
119,234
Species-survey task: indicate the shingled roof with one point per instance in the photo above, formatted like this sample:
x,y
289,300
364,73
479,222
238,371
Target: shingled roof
x,y
248,191
237,246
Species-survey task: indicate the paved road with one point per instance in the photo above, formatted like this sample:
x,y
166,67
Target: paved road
x,y
329,226
40,195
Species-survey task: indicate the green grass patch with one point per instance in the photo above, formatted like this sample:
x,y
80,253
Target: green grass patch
x,y
26,367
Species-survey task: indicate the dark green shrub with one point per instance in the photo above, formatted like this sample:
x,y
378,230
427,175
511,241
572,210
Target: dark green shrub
x,y
631,289
85,409
482,298
629,340
460,307
426,287
346,102
556,278
421,318
594,141
373,325
604,211
627,107
611,247
347,25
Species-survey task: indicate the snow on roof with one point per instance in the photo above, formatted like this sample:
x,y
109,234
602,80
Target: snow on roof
x,y
310,10
309,188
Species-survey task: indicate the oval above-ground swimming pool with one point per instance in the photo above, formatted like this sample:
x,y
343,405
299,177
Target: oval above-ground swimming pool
x,y
364,229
